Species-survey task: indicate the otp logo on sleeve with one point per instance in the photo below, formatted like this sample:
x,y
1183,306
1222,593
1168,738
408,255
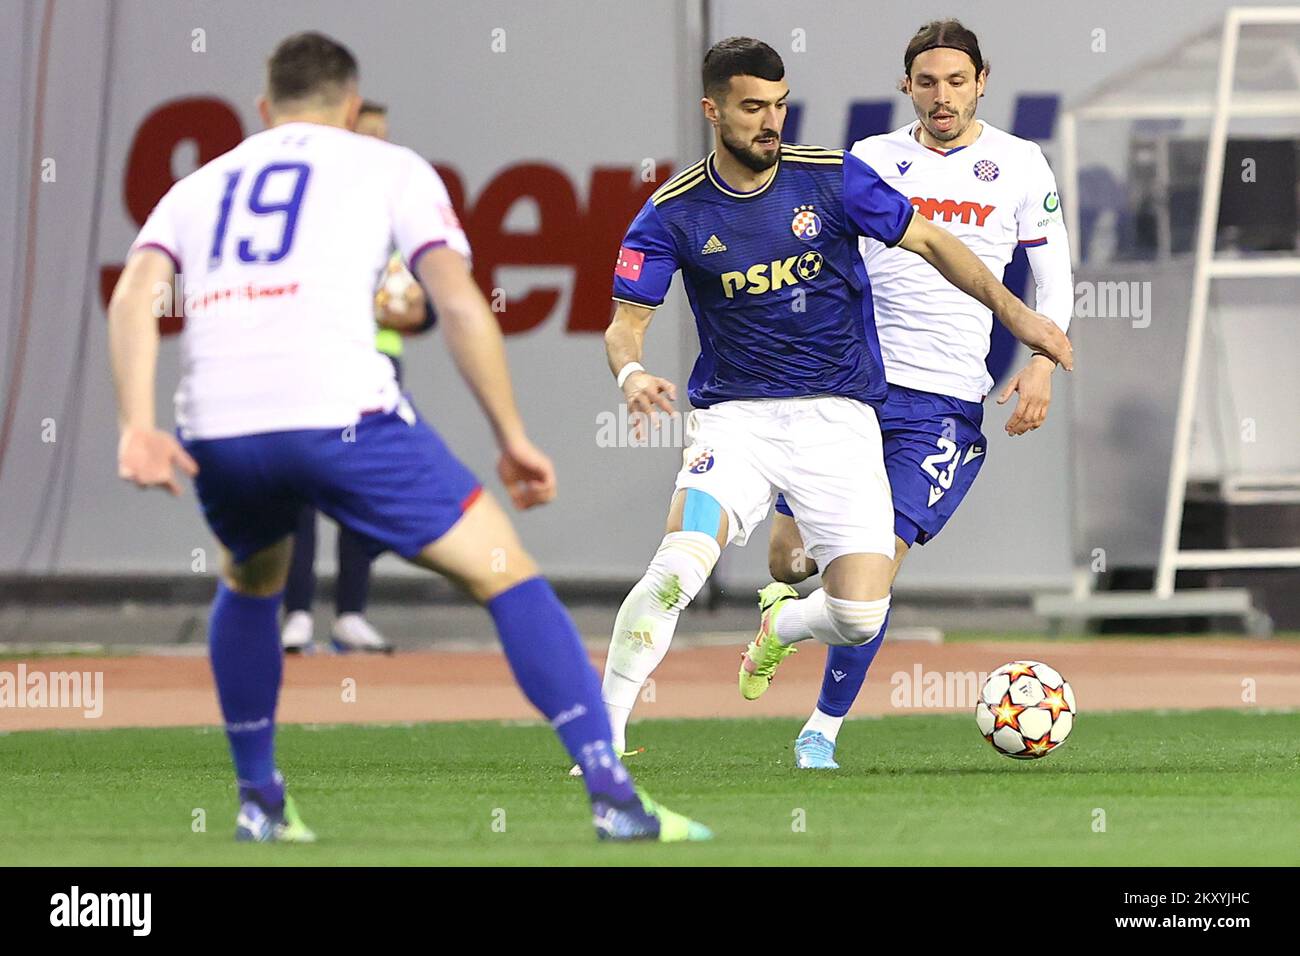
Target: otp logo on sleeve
x,y
629,264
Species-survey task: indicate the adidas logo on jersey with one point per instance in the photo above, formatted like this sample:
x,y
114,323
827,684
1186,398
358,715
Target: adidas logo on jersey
x,y
713,245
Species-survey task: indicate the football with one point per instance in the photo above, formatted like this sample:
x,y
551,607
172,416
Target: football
x,y
1026,710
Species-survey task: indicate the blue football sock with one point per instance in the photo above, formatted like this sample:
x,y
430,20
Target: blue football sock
x,y
849,664
244,647
555,674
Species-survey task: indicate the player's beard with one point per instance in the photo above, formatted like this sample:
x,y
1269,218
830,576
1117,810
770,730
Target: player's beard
x,y
749,156
964,118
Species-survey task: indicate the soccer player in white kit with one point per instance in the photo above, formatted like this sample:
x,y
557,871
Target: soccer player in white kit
x,y
995,192
284,401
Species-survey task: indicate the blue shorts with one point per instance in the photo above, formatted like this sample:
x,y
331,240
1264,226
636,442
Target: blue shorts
x,y
396,484
933,450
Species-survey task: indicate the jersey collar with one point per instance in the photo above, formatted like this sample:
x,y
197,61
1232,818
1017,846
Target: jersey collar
x,y
726,190
911,134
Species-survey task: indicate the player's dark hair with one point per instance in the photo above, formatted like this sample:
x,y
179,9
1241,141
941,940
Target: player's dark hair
x,y
307,65
370,106
949,34
739,56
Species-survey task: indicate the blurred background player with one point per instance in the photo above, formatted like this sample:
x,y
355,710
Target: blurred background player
x,y
285,401
766,237
994,191
401,309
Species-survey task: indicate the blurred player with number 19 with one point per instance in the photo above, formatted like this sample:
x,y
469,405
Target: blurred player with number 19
x,y
284,401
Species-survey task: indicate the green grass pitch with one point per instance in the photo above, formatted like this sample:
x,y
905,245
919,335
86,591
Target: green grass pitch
x,y
1204,788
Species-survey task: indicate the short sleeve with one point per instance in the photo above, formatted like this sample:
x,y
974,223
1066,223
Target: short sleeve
x,y
422,215
1038,217
159,230
872,207
646,260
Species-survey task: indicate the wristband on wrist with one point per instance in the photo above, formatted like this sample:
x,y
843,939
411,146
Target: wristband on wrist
x,y
626,371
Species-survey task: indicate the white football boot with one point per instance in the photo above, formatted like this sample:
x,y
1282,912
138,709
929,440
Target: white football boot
x,y
352,632
296,634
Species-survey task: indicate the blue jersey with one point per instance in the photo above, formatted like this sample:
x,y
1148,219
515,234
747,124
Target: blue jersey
x,y
781,298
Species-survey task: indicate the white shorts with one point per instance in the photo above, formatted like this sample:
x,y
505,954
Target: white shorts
x,y
823,453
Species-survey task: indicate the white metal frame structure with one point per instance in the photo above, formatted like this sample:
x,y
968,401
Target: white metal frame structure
x,y
1208,268
1163,600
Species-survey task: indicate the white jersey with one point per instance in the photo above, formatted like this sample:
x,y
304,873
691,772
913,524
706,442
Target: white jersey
x,y
280,244
993,194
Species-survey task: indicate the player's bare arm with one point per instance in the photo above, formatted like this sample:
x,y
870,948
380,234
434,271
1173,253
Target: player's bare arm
x,y
476,344
624,343
962,268
146,455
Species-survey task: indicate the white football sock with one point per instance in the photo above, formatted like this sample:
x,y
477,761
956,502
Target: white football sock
x,y
644,627
794,623
831,620
824,724
617,720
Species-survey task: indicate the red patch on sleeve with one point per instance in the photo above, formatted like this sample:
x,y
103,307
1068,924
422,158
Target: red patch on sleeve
x,y
629,264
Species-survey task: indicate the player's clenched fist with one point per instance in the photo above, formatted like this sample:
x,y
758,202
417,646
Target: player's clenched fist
x,y
527,473
147,458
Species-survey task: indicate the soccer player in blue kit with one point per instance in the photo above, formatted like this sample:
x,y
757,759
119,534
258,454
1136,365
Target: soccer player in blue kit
x,y
765,235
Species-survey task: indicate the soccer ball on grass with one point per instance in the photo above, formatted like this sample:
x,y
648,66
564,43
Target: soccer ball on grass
x,y
1026,710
